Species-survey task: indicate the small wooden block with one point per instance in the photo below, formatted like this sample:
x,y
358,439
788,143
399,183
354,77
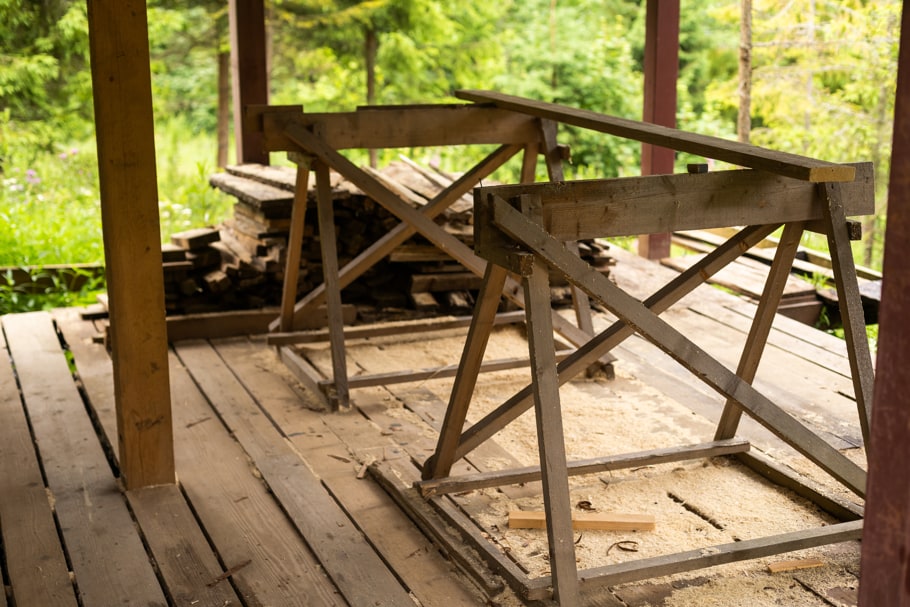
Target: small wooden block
x,y
604,521
171,252
195,238
781,566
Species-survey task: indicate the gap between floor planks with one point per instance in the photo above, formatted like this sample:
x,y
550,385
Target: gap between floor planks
x,y
336,446
108,559
238,514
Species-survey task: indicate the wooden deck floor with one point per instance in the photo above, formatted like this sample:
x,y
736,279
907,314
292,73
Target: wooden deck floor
x,y
270,508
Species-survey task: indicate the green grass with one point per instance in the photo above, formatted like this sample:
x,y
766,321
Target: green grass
x,y
50,210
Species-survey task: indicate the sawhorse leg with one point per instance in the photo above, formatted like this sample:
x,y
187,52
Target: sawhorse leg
x,y
550,438
761,324
340,398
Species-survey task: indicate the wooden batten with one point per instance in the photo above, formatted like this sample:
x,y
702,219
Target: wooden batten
x,y
599,521
639,205
780,163
132,239
398,127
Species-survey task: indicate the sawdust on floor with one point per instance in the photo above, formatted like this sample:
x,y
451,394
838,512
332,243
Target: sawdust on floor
x,y
697,504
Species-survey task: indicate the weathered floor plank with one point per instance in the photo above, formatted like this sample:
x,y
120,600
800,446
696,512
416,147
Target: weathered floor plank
x,y
333,446
250,533
107,555
186,562
349,560
26,518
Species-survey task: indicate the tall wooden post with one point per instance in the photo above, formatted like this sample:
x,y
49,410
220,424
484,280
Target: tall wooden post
x,y
661,73
249,74
885,565
121,80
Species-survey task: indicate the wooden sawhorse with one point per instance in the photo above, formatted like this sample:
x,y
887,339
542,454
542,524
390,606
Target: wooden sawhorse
x,y
313,140
521,229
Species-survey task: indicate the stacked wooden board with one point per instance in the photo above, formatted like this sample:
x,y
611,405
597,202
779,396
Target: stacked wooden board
x,y
240,263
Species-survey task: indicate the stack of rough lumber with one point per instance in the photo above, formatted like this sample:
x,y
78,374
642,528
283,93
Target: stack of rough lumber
x,y
240,263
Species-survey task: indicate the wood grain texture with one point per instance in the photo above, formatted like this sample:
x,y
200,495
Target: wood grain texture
x,y
333,446
631,571
339,395
358,572
295,243
241,519
121,85
781,163
29,533
249,80
600,521
107,555
550,436
185,560
240,515
663,203
257,195
403,127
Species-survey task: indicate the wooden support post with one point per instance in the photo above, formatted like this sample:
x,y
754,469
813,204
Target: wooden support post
x,y
761,324
295,242
333,291
550,441
249,75
885,558
661,72
121,79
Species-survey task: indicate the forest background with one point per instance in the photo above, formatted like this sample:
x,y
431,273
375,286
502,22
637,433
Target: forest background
x,y
822,85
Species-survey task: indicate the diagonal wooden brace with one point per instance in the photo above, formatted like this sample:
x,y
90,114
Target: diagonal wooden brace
x,y
609,338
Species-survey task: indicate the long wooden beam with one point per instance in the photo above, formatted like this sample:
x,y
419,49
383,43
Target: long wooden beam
x,y
121,83
700,558
639,205
781,163
398,126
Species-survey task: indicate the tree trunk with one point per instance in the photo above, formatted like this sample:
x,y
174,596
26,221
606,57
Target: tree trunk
x,y
744,119
371,49
224,107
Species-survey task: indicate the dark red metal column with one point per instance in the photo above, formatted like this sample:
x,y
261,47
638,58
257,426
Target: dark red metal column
x,y
249,74
661,73
885,567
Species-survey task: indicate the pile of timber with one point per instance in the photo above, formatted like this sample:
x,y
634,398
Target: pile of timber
x,y
240,263
809,289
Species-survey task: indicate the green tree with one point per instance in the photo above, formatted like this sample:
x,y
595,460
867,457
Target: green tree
x,y
45,86
824,85
337,55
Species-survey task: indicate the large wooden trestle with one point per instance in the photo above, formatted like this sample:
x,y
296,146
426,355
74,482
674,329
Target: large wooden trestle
x,y
313,141
523,229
